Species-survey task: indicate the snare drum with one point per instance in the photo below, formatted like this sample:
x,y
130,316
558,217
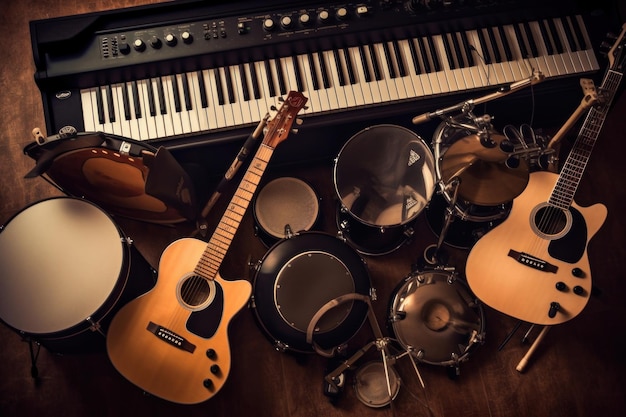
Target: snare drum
x,y
434,316
66,269
384,177
300,275
284,206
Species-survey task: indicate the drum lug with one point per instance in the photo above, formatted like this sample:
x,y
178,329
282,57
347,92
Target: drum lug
x,y
93,326
281,347
127,240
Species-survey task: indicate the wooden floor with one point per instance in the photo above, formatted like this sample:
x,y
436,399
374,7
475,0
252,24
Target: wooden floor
x,y
578,370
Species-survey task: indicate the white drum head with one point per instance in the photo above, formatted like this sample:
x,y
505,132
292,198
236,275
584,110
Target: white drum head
x,y
61,259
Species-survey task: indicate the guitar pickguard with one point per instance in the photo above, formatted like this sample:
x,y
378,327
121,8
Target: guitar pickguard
x,y
205,323
571,247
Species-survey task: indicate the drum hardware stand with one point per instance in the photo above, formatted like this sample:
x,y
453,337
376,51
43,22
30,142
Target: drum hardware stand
x,y
432,254
201,225
335,379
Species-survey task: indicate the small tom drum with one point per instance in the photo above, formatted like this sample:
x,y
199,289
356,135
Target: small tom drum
x,y
66,270
284,206
434,316
384,177
300,275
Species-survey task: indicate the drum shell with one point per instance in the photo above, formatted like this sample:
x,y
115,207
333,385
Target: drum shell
x,y
269,275
412,305
384,175
297,201
135,277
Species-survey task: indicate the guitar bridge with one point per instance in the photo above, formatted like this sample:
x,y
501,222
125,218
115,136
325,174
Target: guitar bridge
x,y
532,261
171,337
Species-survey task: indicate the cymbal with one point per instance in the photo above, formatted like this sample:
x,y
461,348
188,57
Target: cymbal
x,y
485,178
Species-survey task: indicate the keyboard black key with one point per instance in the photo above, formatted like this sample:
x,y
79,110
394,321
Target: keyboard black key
x,y
340,75
230,89
323,69
494,45
569,35
436,61
298,74
545,37
366,68
469,56
314,80
125,101
161,94
176,94
218,86
531,40
256,91
202,87
281,77
505,44
446,47
520,41
244,83
483,46
389,60
349,66
136,101
422,47
399,59
375,66
556,39
456,46
186,92
110,104
270,79
579,33
414,58
100,106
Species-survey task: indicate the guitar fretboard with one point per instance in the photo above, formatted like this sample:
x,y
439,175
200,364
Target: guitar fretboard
x,y
574,167
222,237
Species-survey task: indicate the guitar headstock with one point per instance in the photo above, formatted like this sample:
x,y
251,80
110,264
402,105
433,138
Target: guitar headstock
x,y
616,53
279,127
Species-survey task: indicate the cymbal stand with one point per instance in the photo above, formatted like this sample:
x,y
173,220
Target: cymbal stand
x,y
432,254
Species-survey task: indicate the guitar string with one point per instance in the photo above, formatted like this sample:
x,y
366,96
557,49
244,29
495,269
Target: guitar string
x,y
576,163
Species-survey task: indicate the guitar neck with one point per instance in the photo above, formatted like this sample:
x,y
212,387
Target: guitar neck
x,y
572,171
222,237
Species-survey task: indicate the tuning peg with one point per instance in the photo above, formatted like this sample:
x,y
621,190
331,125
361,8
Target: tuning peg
x,y
281,99
273,108
299,121
294,131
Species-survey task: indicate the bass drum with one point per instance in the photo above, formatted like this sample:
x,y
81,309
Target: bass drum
x,y
300,275
67,268
434,316
475,219
284,206
384,177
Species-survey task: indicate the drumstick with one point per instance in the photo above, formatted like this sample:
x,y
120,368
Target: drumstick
x,y
522,364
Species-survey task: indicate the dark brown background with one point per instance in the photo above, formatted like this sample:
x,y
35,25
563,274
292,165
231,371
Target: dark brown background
x,y
577,371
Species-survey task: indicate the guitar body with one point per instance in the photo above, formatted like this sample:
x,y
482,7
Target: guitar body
x,y
522,266
172,342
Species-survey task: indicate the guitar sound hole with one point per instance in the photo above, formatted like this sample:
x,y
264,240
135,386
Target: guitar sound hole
x,y
195,291
551,222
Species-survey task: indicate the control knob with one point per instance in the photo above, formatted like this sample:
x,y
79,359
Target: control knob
x,y
139,45
186,37
170,39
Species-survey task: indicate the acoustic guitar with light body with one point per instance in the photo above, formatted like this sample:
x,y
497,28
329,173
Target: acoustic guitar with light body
x,y
172,341
534,266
